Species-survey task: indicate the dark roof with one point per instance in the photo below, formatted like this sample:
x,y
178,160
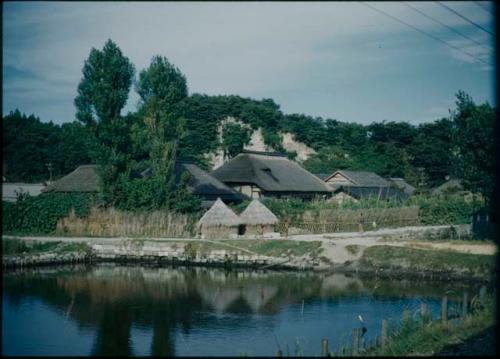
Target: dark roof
x,y
403,185
383,193
362,178
451,184
322,176
82,179
269,172
201,183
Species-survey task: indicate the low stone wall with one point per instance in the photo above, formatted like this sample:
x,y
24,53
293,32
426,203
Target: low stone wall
x,y
45,259
172,252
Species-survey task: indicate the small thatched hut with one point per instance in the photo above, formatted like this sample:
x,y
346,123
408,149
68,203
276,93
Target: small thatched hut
x,y
219,222
258,219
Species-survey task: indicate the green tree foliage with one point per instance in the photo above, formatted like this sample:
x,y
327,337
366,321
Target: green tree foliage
x,y
234,138
102,94
431,150
29,146
103,90
474,141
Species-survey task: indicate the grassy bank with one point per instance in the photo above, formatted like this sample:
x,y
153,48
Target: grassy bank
x,y
15,247
418,339
423,260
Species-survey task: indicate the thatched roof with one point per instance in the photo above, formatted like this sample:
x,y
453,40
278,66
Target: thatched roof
x,y
201,183
403,185
219,215
82,179
271,172
257,213
205,185
362,178
383,193
450,185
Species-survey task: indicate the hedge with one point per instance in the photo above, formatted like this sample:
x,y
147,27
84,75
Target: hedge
x,y
39,215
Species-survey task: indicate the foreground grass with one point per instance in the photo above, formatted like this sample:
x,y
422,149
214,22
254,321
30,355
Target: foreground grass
x,y
21,247
271,248
421,260
416,339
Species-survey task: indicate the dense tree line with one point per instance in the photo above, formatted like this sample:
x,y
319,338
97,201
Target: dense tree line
x,y
32,149
171,124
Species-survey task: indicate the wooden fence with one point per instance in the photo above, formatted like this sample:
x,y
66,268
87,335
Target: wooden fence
x,y
358,346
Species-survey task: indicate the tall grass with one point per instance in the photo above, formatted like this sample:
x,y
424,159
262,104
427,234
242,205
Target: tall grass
x,y
112,223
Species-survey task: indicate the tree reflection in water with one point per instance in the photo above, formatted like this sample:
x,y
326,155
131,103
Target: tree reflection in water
x,y
113,299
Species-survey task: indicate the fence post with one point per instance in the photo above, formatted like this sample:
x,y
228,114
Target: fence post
x,y
444,309
406,316
465,302
355,342
482,295
324,347
424,313
383,336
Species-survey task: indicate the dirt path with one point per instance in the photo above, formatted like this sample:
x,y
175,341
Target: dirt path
x,y
343,247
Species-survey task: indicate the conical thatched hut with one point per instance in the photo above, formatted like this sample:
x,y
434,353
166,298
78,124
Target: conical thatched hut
x,y
219,222
258,219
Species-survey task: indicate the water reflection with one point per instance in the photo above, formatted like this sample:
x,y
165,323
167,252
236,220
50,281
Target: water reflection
x,y
129,310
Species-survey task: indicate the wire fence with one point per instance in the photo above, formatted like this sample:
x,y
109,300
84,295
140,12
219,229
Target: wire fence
x,y
449,315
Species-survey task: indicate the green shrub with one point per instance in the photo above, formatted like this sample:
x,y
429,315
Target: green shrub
x,y
39,215
446,210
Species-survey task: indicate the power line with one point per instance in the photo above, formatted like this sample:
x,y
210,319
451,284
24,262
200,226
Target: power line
x,y
447,26
480,4
463,17
425,33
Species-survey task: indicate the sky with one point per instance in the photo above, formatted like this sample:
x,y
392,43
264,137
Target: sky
x,y
339,60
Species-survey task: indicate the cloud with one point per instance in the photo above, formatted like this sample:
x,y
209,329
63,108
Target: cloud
x,y
251,49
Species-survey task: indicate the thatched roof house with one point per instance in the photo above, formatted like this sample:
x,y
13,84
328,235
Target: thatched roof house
x,y
451,185
82,179
201,183
219,222
257,174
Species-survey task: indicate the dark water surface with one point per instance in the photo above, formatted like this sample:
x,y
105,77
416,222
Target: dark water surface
x,y
132,310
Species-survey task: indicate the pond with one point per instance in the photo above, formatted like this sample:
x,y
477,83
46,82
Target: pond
x,y
133,310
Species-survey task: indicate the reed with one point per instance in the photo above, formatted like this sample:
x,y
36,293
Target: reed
x,y
110,222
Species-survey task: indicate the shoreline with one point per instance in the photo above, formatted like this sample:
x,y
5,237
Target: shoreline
x,y
405,252
14,263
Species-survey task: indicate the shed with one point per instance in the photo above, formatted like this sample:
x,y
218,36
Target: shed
x,y
258,219
382,193
356,178
219,222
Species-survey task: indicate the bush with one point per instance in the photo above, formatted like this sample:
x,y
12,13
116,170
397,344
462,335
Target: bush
x,y
39,215
446,210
